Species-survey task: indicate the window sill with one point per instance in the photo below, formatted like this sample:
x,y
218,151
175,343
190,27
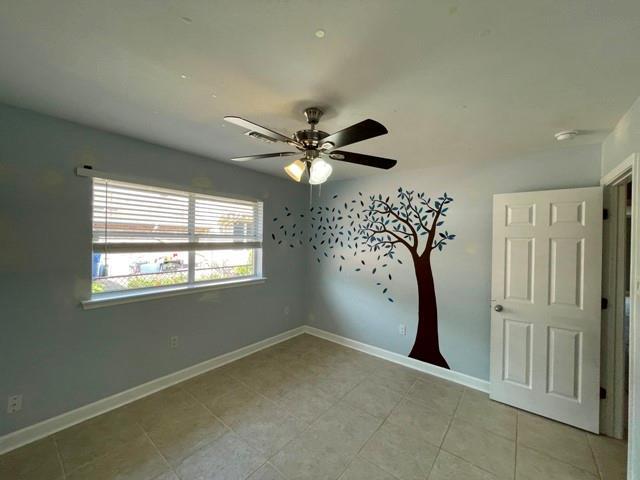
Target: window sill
x,y
117,298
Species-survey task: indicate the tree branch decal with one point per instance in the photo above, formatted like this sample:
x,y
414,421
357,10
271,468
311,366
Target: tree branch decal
x,y
375,230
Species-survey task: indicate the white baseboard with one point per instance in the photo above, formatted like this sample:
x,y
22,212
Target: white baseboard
x,y
457,377
52,425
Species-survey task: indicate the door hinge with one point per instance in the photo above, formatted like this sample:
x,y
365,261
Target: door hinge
x,y
603,393
604,303
605,214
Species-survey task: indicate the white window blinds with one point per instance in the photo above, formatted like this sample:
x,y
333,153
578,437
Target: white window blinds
x,y
128,217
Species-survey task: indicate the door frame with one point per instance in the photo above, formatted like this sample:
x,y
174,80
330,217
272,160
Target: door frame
x,y
614,270
629,168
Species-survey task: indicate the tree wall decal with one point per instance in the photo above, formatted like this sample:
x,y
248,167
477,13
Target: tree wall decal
x,y
379,227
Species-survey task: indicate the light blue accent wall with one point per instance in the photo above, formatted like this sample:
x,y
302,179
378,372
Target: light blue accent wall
x,y
350,303
623,141
61,357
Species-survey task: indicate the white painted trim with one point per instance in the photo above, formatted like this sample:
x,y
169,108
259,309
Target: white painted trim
x,y
612,405
119,298
631,165
47,427
457,377
633,461
52,425
619,172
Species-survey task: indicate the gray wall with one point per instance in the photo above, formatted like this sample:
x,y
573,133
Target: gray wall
x,y
350,303
623,141
61,357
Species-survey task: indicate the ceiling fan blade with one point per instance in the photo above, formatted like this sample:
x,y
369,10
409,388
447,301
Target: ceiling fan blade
x,y
361,159
264,155
355,133
275,136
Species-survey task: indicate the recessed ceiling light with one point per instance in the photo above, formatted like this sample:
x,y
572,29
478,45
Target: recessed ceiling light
x,y
566,135
213,95
183,76
320,33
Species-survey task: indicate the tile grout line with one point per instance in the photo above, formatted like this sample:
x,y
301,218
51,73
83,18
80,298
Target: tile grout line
x,y
338,400
148,437
404,397
515,460
444,437
475,426
228,427
547,455
309,427
146,434
267,458
464,393
595,460
93,459
59,455
453,416
97,457
252,390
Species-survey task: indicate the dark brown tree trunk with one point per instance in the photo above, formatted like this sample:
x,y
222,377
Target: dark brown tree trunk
x,y
426,346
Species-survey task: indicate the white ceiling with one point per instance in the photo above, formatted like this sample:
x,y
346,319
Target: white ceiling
x,y
452,80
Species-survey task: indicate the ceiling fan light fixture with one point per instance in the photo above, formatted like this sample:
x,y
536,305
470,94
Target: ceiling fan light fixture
x,y
295,170
319,171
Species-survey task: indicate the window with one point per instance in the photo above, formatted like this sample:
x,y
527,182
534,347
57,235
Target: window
x,y
148,237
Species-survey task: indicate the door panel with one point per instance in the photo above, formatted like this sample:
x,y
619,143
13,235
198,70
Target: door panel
x,y
545,340
564,362
565,272
519,269
520,215
517,352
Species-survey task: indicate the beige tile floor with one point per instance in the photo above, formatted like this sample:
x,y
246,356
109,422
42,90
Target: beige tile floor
x,y
310,409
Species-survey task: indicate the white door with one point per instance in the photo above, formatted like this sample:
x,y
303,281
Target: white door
x,y
546,303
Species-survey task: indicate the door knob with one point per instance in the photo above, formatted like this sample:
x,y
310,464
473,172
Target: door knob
x,y
498,308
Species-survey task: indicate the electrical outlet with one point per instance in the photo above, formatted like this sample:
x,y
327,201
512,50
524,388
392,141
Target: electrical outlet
x,y
173,342
286,310
402,329
14,404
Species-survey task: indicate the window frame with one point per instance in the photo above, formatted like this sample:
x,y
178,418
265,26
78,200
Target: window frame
x,y
191,285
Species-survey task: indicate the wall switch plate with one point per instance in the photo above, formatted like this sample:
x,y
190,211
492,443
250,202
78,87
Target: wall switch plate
x,y
14,404
402,329
287,310
173,342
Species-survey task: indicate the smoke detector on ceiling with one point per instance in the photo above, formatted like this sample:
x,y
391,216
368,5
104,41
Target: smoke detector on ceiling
x,y
566,135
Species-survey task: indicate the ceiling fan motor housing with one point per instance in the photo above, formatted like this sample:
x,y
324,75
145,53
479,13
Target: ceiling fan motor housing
x,y
310,139
313,115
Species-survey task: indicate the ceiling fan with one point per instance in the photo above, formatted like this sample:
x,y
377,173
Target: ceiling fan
x,y
317,146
